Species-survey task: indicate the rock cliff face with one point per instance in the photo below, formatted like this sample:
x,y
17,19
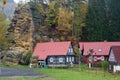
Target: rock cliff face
x,y
21,27
21,32
25,31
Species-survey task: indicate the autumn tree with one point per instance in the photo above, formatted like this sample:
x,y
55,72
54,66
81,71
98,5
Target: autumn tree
x,y
65,17
61,20
51,17
3,28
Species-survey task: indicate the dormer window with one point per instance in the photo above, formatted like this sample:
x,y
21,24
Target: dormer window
x,y
99,50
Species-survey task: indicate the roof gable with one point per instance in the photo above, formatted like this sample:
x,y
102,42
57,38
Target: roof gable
x,y
116,52
51,48
112,56
100,48
70,50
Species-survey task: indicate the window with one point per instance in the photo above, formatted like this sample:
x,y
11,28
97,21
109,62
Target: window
x,y
95,58
60,59
72,59
99,49
102,58
51,59
67,59
70,50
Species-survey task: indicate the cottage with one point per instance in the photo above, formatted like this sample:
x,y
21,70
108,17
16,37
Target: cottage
x,y
57,54
100,50
114,59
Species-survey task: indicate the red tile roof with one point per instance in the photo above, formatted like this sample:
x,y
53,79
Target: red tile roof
x,y
51,48
100,48
116,51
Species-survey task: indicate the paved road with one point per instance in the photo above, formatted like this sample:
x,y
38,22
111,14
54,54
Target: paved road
x,y
9,72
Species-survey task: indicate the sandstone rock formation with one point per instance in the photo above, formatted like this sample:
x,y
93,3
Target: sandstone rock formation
x,y
25,31
21,30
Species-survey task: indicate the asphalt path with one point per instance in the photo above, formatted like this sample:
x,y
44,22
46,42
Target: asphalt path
x,y
10,72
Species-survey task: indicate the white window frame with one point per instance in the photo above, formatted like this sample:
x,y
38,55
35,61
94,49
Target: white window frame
x,y
67,59
95,58
60,59
72,59
51,59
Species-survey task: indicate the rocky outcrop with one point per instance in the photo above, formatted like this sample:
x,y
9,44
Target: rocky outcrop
x,y
25,31
21,30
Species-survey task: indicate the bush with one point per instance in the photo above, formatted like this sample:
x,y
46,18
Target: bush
x,y
27,58
104,65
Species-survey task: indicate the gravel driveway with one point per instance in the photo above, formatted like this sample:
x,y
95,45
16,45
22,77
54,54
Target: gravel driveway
x,y
10,72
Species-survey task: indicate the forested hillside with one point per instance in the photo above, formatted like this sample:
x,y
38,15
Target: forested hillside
x,y
103,21
62,19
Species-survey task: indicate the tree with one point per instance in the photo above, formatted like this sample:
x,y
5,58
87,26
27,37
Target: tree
x,y
64,22
3,28
51,18
102,21
79,20
65,19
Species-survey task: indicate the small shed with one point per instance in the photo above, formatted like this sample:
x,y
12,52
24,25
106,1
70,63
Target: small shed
x,y
114,59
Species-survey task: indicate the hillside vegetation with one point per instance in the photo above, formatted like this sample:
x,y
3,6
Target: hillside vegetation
x,y
103,21
95,20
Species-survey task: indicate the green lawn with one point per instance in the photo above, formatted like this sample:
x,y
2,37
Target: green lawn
x,y
69,74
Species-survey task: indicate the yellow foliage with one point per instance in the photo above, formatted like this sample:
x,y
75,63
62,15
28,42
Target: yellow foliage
x,y
65,18
40,9
51,5
3,39
1,17
62,38
72,38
